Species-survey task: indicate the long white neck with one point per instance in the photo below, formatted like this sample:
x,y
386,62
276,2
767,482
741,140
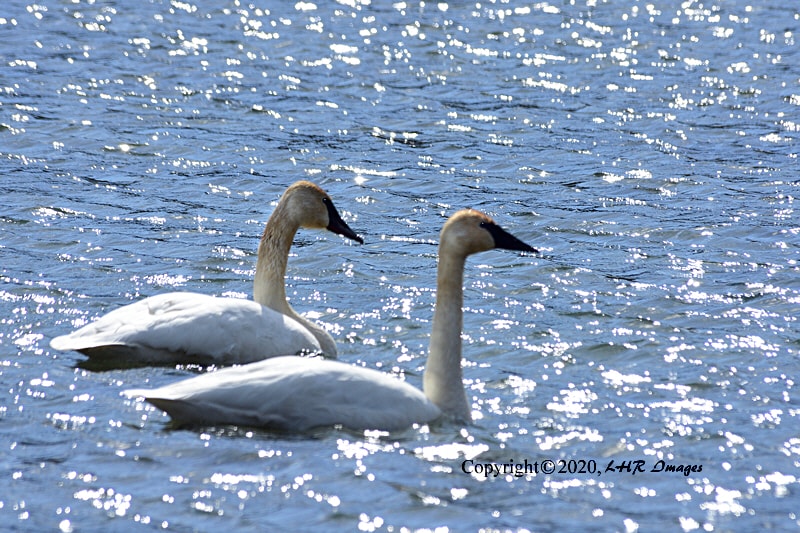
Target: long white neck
x,y
442,382
269,284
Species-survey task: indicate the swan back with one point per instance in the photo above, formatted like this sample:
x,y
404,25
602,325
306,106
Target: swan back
x,y
186,327
294,394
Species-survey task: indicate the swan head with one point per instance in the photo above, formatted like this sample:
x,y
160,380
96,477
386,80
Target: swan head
x,y
469,231
310,207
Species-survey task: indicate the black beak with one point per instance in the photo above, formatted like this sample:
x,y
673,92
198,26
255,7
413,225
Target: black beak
x,y
503,239
339,226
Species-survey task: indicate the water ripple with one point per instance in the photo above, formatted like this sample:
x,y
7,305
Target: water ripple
x,y
648,152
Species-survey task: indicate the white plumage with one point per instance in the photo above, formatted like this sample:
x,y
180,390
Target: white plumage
x,y
298,394
179,327
294,394
186,327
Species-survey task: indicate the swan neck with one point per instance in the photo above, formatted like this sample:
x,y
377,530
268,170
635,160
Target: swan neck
x,y
273,255
269,285
442,382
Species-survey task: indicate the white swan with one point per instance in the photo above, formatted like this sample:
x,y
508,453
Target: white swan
x,y
297,394
185,327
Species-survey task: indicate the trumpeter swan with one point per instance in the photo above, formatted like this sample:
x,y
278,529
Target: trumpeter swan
x,y
297,394
186,327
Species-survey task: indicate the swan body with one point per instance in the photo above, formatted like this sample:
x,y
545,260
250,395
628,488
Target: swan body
x,y
178,327
186,327
294,394
298,394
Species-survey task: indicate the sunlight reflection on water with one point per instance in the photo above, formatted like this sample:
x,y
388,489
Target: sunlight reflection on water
x,y
646,150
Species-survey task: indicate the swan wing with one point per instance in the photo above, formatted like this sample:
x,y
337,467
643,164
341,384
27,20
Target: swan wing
x,y
193,328
295,394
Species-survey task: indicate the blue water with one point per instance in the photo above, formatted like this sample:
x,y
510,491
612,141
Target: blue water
x,y
647,149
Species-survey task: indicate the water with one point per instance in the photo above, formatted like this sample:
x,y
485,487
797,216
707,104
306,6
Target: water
x,y
648,149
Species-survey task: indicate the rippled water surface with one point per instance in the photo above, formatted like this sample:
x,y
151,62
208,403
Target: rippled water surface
x,y
647,149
